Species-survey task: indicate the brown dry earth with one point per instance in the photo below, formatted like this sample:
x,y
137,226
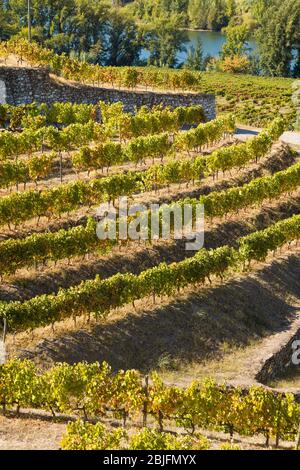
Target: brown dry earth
x,y
33,432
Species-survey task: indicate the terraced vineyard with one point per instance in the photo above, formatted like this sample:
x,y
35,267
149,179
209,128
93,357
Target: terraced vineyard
x,y
68,296
254,100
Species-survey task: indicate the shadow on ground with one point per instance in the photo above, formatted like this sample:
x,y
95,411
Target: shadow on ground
x,y
189,329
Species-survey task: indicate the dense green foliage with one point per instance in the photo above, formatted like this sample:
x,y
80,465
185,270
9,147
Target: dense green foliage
x,y
201,14
117,36
114,38
62,26
278,36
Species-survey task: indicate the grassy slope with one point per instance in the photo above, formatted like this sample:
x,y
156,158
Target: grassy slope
x,y
255,100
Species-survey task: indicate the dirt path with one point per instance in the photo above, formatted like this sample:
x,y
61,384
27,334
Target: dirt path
x,y
244,133
30,434
291,138
239,366
27,433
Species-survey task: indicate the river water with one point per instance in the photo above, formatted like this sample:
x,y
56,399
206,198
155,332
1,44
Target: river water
x,y
212,43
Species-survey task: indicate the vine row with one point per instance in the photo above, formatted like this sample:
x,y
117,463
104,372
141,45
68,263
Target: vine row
x,y
99,296
94,391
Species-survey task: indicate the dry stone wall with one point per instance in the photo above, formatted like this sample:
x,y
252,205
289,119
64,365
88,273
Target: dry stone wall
x,y
25,85
280,361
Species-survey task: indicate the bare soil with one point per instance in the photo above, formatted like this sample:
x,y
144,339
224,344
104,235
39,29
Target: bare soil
x,y
33,431
26,433
289,380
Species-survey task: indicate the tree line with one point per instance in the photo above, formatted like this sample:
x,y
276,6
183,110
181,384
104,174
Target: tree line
x,y
274,24
115,33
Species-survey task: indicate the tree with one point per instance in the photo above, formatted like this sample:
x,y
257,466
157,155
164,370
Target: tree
x,y
122,43
152,10
236,39
277,35
195,58
197,12
164,41
296,67
210,14
231,9
63,24
7,24
235,64
217,17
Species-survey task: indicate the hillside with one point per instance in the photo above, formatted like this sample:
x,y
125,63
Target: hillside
x,y
254,100
226,310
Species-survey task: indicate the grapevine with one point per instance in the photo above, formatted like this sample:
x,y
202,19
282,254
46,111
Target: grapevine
x,y
100,296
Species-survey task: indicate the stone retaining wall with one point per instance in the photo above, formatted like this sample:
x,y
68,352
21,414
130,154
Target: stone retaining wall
x,y
25,85
278,362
